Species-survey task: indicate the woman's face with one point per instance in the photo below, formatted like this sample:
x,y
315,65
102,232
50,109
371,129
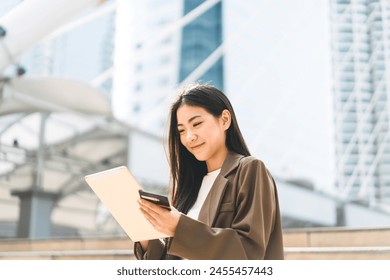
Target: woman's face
x,y
203,134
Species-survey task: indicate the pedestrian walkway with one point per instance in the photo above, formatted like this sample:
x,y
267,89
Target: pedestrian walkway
x,y
300,244
337,243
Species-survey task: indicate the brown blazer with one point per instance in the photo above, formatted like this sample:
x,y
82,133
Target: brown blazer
x,y
240,219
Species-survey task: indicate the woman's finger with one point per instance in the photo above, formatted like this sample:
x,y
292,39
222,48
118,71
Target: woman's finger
x,y
157,223
154,214
148,216
152,207
148,204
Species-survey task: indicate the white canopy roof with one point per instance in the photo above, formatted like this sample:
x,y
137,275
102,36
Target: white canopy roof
x,y
30,94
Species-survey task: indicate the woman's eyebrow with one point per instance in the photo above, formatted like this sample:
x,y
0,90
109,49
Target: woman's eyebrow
x,y
190,120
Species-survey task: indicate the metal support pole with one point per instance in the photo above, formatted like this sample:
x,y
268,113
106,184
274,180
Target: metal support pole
x,y
36,204
35,213
40,166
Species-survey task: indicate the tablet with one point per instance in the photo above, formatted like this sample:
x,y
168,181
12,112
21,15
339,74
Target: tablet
x,y
119,192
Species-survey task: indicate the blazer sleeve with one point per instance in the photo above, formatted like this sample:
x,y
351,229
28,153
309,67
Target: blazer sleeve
x,y
251,227
155,251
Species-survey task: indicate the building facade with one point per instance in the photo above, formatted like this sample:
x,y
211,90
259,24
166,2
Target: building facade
x,y
361,61
200,38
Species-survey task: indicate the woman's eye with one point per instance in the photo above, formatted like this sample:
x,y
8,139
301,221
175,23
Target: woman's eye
x,y
180,131
198,123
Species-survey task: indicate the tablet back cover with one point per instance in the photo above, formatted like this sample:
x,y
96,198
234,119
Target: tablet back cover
x,y
118,191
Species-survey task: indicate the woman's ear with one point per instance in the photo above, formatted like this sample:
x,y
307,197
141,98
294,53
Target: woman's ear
x,y
226,119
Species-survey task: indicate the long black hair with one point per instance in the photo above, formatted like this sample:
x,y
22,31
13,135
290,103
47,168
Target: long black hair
x,y
186,171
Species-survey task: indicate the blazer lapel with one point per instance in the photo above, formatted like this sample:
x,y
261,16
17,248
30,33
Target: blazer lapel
x,y
211,205
213,200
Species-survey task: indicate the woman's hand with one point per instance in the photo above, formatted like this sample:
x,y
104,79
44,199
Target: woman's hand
x,y
163,220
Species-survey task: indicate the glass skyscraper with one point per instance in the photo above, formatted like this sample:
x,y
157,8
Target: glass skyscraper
x,y
199,39
361,60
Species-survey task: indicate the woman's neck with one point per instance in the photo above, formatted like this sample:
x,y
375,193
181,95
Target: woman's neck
x,y
217,161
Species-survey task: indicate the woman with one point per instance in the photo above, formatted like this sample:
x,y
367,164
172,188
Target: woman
x,y
225,204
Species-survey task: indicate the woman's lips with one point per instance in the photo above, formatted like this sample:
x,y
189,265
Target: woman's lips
x,y
196,147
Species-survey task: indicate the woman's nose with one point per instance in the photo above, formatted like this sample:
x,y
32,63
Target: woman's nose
x,y
190,136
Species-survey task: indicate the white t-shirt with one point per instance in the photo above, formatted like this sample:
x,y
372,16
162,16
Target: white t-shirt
x,y
207,183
